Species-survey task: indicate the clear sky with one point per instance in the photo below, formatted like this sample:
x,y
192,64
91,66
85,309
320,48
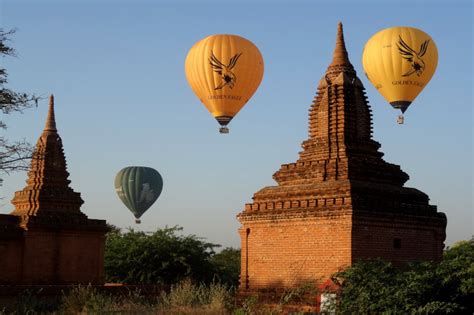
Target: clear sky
x,y
116,69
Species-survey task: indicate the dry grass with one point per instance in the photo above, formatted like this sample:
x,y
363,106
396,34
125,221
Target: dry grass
x,y
188,298
183,298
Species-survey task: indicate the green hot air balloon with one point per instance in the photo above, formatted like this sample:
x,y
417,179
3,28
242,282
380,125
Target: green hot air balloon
x,y
138,187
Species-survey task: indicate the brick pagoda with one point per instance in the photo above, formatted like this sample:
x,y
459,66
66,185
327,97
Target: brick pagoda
x,y
339,202
47,239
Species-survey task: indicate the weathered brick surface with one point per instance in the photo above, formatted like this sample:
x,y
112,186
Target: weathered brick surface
x,y
47,239
421,238
62,258
287,252
339,202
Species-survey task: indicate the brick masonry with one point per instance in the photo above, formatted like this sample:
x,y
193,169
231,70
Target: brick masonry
x,y
339,202
47,239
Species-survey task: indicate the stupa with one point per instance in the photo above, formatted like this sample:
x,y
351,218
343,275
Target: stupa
x,y
47,239
339,202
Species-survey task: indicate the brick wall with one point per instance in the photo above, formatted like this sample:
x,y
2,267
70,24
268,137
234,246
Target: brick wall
x,y
63,257
398,238
40,256
289,252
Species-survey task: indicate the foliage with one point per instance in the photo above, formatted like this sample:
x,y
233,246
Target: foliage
x,y
14,156
227,266
377,287
161,257
113,228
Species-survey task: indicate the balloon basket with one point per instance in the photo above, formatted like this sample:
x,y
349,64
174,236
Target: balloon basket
x,y
400,119
224,130
138,221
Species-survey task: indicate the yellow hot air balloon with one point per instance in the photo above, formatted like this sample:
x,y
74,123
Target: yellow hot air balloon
x,y
224,71
400,61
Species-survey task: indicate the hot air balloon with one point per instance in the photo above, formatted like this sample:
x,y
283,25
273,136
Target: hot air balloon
x,y
138,187
224,71
399,62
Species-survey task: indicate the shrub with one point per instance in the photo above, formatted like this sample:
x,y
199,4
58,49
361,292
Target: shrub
x,y
162,257
377,287
227,266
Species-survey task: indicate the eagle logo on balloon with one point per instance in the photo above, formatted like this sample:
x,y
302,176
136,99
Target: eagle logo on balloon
x,y
415,58
227,76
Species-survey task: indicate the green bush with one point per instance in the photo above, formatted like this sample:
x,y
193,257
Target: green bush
x,y
227,266
162,257
377,287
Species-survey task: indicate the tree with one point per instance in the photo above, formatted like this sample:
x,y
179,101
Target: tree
x,y
161,257
377,287
227,266
14,156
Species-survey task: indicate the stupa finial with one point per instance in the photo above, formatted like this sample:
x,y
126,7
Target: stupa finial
x,y
340,56
50,120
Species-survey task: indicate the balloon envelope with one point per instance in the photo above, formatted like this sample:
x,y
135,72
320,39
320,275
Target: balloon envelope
x,y
138,187
224,71
399,62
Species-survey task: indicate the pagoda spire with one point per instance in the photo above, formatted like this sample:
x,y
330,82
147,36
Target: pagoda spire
x,y
50,120
340,55
47,191
340,58
340,131
340,104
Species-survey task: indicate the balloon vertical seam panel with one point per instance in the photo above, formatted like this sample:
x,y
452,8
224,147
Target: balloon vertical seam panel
x,y
124,183
202,79
135,174
200,83
210,78
190,71
260,68
251,80
236,107
217,42
387,61
195,84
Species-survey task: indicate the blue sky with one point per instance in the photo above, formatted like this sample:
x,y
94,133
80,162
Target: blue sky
x,y
116,69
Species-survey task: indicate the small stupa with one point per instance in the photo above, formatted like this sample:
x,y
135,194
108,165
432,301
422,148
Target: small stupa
x,y
47,193
339,202
46,239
